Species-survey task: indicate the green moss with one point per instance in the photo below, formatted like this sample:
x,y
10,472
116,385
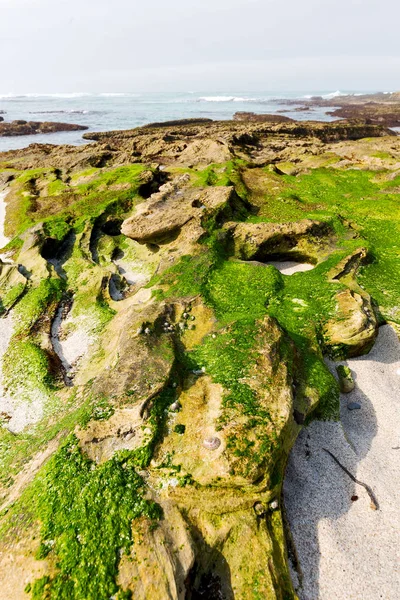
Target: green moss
x,y
26,370
33,305
11,296
86,511
242,290
58,202
179,428
76,409
56,228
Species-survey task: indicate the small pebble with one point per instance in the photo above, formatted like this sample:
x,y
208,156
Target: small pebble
x,y
274,505
212,443
193,318
147,331
353,405
259,509
175,407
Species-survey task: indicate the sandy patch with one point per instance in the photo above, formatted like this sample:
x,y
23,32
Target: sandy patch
x,y
132,272
72,347
3,239
345,549
289,267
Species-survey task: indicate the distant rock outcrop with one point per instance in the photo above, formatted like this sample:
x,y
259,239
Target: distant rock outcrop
x,y
250,116
21,127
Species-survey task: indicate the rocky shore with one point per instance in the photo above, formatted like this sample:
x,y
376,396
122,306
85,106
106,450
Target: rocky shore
x,y
380,109
173,298
20,127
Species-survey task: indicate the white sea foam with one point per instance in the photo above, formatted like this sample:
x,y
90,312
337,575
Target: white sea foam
x,y
329,96
61,112
117,95
225,99
333,95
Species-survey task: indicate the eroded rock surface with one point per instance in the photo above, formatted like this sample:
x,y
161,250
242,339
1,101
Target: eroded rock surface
x,y
158,362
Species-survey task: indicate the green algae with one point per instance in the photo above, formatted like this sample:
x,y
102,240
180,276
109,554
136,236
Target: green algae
x,y
56,201
35,302
86,513
239,294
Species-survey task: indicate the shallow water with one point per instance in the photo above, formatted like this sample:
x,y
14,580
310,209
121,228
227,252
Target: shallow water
x,y
106,112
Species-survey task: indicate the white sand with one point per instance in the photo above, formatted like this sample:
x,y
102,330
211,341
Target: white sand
x,y
132,272
289,267
70,348
346,550
3,239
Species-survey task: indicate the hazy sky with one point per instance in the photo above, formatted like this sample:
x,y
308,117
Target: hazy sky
x,y
181,45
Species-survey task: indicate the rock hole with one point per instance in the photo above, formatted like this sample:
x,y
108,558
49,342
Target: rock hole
x,y
116,287
112,227
196,203
57,252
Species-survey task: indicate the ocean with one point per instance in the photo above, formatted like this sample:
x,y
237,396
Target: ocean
x,y
106,112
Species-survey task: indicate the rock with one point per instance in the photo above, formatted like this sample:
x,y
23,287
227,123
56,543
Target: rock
x,y
352,332
1,119
264,241
263,118
175,407
381,109
348,267
353,406
160,559
21,127
144,361
346,381
205,152
177,123
166,212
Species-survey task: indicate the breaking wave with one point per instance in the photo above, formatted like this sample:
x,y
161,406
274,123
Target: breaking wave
x,y
62,112
225,99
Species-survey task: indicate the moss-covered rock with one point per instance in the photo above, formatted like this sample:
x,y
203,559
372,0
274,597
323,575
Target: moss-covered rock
x,y
149,332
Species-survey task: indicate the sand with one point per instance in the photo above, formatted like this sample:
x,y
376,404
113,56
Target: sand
x,y
72,347
346,550
289,267
3,239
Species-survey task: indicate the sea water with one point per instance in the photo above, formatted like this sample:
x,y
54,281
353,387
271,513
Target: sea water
x,y
106,112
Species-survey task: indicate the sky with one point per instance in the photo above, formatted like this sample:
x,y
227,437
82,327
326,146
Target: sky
x,y
203,45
